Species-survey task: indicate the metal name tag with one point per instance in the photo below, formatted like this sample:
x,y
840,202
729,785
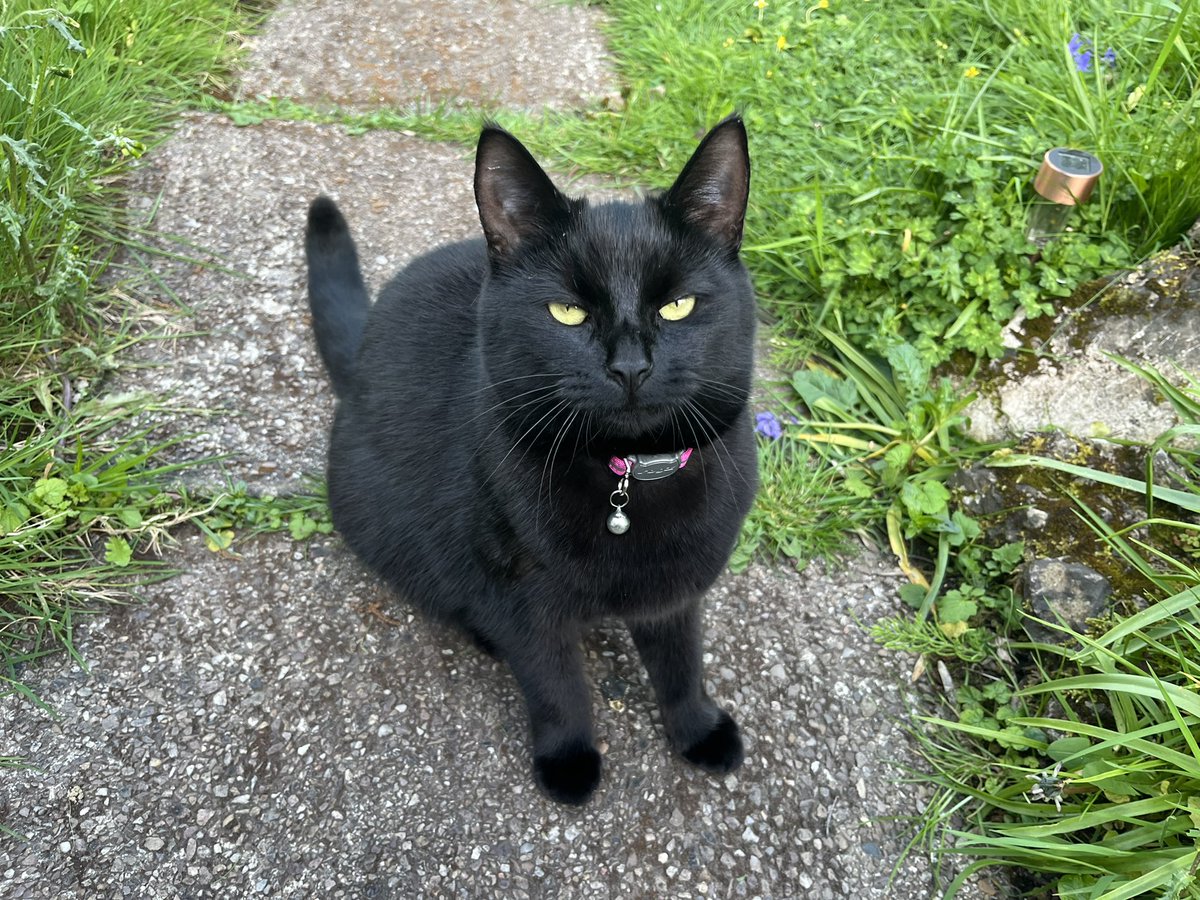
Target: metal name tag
x,y
653,466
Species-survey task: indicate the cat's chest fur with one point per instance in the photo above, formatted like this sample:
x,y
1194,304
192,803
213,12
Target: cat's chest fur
x,y
681,529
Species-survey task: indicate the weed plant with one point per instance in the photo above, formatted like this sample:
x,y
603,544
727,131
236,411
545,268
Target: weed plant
x,y
82,93
1080,760
885,435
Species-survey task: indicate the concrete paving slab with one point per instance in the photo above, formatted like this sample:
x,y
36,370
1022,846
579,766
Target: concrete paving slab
x,y
245,373
359,54
277,724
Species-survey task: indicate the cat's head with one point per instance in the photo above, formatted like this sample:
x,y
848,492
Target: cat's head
x,y
633,322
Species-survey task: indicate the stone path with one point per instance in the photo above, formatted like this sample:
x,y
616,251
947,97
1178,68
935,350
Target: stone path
x,y
273,723
1150,316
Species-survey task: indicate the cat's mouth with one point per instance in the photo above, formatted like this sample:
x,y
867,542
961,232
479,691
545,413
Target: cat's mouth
x,y
640,423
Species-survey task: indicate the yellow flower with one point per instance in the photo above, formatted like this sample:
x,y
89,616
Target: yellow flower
x,y
728,42
782,43
760,5
971,72
822,4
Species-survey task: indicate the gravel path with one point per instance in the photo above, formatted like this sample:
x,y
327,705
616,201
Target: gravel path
x,y
278,724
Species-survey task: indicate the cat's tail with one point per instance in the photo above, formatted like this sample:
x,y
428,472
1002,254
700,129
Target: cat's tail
x,y
336,293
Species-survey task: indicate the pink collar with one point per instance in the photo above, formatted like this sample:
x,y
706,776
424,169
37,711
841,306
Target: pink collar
x,y
640,467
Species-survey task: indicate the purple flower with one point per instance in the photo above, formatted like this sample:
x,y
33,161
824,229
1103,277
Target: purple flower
x,y
1081,52
1110,58
767,425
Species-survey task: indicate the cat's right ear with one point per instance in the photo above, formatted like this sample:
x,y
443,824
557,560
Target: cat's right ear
x,y
516,199
712,190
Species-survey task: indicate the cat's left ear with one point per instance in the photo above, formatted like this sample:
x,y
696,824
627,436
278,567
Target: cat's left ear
x,y
516,199
712,190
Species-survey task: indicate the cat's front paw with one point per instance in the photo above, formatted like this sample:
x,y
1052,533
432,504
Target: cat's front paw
x,y
569,776
720,750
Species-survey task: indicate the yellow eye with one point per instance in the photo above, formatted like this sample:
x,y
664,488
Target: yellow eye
x,y
568,313
677,309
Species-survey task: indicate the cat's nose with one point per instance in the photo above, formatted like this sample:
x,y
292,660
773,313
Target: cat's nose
x,y
629,372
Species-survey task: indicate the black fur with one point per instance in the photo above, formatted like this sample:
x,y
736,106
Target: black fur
x,y
337,295
469,456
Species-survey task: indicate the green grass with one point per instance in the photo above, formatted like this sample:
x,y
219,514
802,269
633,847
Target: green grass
x,y
802,512
82,97
82,502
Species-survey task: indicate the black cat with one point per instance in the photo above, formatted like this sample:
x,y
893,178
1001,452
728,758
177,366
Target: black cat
x,y
550,426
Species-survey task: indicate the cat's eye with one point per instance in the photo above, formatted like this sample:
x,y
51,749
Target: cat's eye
x,y
568,313
677,309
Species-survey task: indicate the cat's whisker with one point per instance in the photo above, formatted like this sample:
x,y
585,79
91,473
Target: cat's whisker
x,y
581,431
548,463
548,466
495,384
554,409
527,404
723,390
485,440
699,410
547,390
588,434
692,417
715,442
695,441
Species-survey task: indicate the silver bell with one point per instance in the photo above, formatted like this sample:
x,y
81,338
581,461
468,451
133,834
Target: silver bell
x,y
618,522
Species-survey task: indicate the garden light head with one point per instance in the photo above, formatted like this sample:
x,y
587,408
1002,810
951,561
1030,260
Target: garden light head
x,y
1065,180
